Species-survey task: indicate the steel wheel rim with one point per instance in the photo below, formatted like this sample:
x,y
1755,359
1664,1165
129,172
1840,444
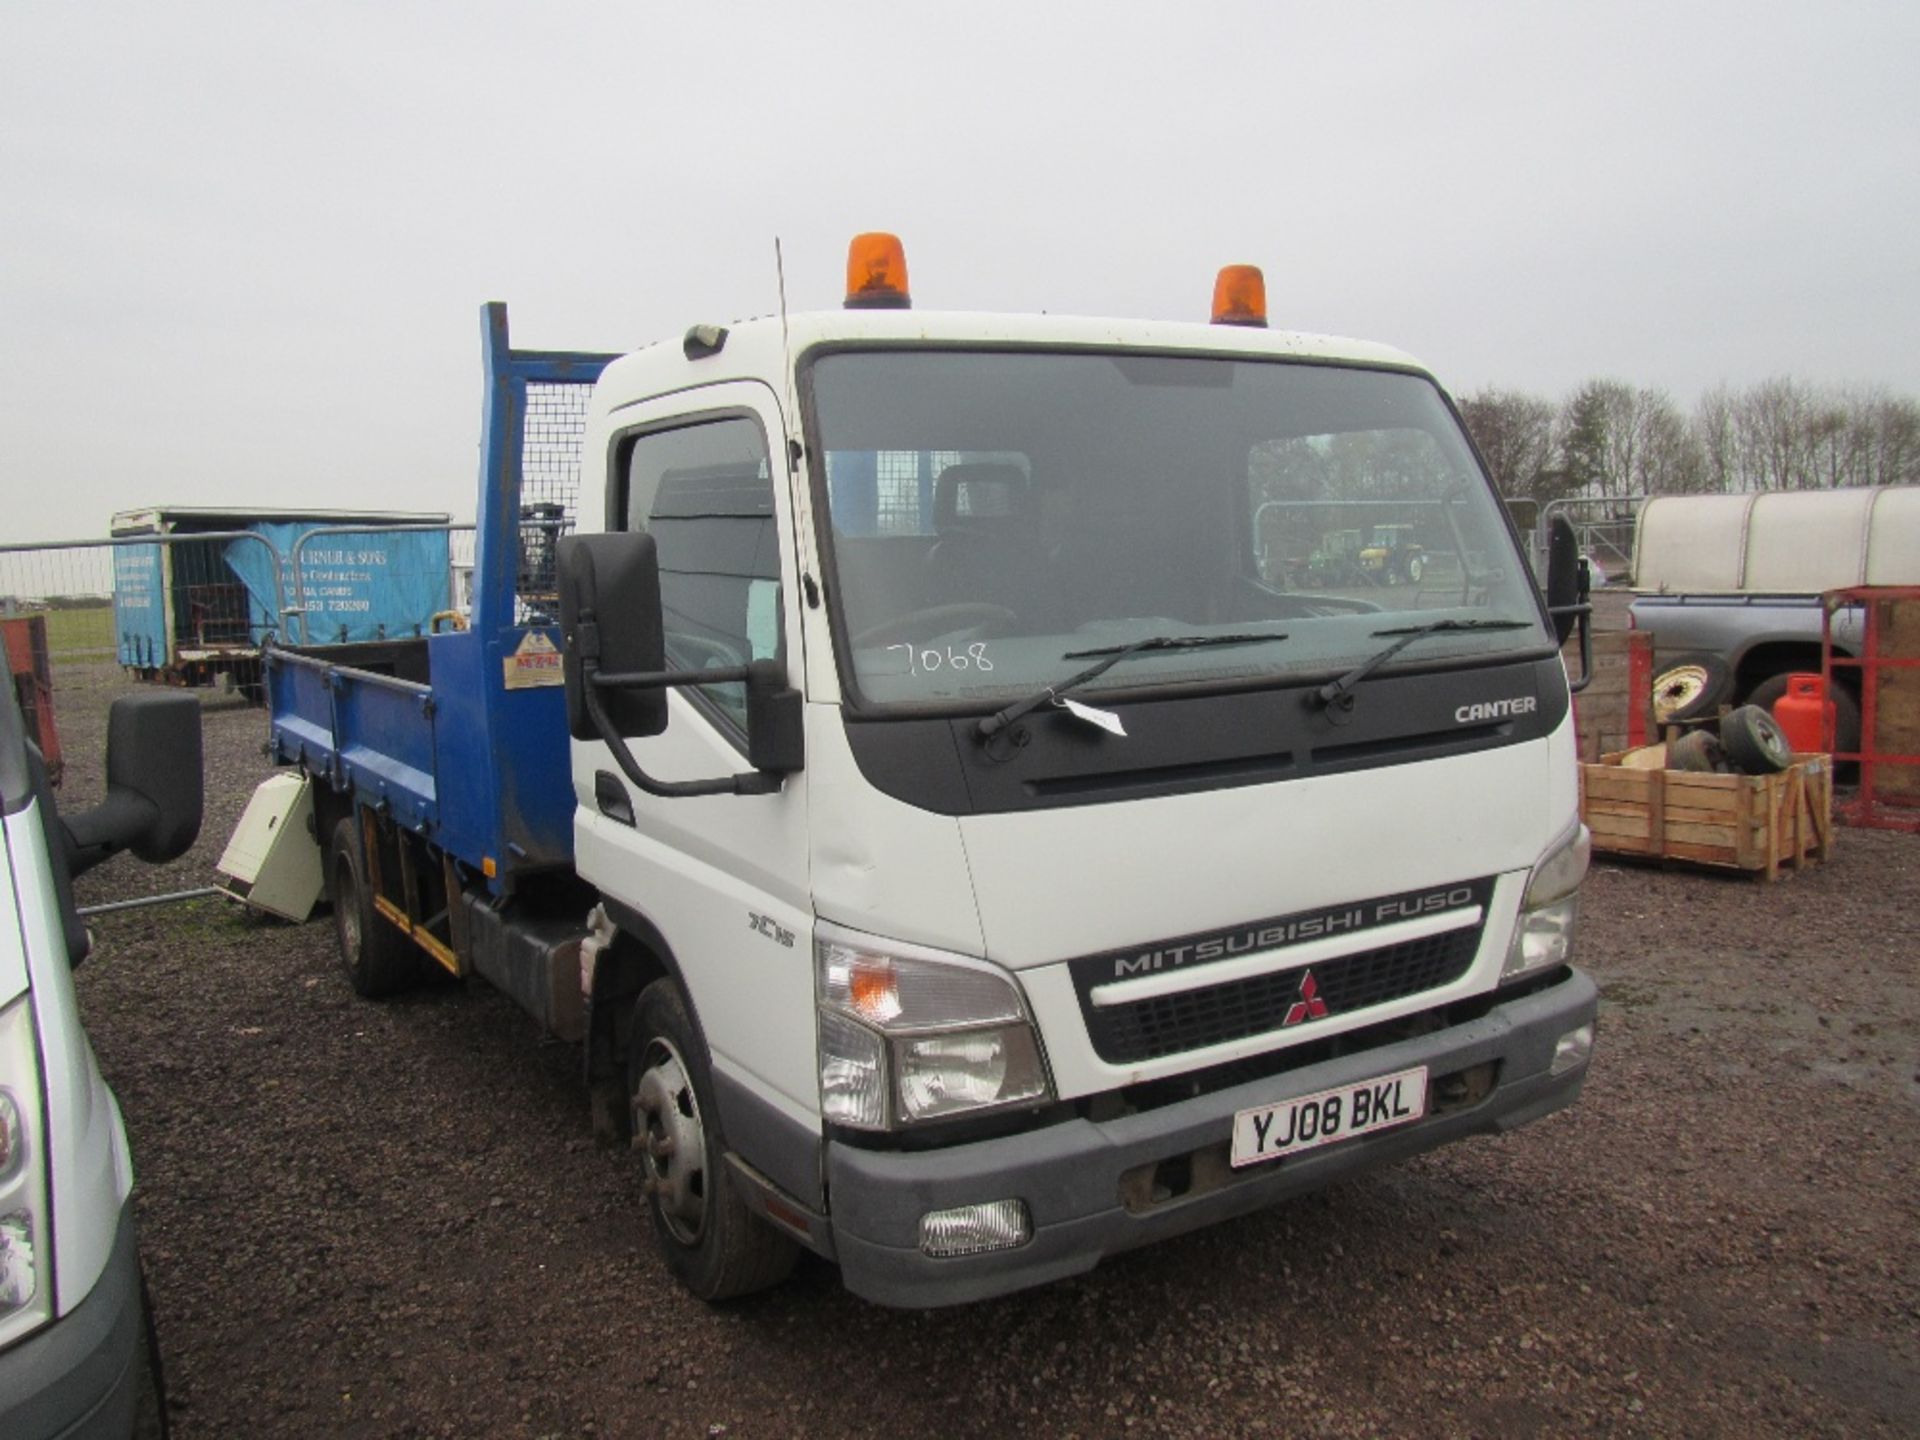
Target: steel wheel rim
x,y
1677,689
672,1141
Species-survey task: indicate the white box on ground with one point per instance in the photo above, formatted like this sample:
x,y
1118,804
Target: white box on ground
x,y
273,862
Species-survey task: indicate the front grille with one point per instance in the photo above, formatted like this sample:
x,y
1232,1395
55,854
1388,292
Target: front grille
x,y
1172,1024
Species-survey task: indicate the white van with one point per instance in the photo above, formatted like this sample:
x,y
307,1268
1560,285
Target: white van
x,y
76,1351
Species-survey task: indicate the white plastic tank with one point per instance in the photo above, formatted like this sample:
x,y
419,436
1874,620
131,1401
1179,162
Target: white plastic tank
x,y
1791,542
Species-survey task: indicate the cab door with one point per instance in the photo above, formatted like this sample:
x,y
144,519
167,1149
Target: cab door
x,y
722,878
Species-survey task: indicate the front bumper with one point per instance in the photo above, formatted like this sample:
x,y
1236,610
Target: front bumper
x,y
76,1377
1070,1174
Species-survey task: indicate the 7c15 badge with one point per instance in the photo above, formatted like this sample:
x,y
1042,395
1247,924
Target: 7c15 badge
x,y
770,928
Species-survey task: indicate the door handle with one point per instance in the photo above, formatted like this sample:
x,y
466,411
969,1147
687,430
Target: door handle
x,y
612,797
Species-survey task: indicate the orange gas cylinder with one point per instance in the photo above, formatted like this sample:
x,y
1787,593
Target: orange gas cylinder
x,y
1805,713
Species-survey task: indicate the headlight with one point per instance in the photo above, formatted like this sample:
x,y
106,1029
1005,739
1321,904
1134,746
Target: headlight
x,y
1550,910
908,1034
26,1282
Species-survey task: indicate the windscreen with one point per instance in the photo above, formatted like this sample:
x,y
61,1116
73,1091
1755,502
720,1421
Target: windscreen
x,y
1000,517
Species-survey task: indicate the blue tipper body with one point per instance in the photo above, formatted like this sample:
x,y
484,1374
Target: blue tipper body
x,y
478,767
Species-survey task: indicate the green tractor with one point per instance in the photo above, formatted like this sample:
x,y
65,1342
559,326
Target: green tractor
x,y
1336,560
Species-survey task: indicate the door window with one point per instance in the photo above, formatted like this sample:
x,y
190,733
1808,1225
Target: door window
x,y
705,494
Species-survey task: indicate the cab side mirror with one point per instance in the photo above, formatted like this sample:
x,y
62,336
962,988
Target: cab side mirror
x,y
154,771
614,665
610,615
1566,578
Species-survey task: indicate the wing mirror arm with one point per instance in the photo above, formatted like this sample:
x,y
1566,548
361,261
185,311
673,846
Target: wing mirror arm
x,y
762,673
615,675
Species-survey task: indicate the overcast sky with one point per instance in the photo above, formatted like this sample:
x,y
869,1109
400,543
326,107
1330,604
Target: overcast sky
x,y
243,246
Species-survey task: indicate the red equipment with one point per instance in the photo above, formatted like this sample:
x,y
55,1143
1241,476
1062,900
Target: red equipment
x,y
32,672
1806,714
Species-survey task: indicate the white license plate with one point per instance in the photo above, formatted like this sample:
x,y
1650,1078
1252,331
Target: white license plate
x,y
1267,1132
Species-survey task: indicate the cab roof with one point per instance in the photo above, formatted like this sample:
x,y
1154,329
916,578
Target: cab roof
x,y
757,349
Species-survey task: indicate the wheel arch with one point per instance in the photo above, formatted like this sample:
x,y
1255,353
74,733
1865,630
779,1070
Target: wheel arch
x,y
1763,660
638,955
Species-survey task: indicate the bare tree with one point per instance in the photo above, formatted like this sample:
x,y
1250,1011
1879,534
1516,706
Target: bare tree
x,y
1890,429
1618,441
1716,428
1773,434
1672,459
1515,433
1609,439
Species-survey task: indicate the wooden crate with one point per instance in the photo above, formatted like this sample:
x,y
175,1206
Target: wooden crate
x,y
1738,822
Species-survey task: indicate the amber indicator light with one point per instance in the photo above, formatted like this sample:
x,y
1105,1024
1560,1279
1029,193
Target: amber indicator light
x,y
877,273
1240,296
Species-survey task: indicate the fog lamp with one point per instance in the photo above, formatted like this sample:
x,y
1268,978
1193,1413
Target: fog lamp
x,y
1572,1050
975,1229
18,1282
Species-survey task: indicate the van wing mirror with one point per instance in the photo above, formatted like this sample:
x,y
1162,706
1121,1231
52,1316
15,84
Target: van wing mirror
x,y
1567,590
610,619
614,666
1563,577
154,785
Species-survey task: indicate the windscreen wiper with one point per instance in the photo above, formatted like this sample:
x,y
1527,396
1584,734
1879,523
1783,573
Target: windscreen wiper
x,y
1339,693
1111,655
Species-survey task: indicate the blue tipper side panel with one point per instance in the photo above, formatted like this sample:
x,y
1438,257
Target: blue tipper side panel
x,y
512,801
368,733
478,767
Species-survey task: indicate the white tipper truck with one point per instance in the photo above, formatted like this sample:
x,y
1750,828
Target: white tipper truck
x,y
996,841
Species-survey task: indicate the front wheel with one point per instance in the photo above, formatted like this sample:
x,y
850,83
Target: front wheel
x,y
714,1244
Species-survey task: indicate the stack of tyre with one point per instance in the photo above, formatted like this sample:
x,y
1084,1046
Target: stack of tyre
x,y
1746,740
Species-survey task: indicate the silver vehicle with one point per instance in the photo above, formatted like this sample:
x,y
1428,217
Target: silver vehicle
x,y
76,1346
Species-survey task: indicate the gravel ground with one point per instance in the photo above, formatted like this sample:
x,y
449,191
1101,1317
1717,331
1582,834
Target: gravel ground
x,y
390,1220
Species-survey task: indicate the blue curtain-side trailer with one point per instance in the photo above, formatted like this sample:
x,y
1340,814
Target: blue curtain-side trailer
x,y
198,603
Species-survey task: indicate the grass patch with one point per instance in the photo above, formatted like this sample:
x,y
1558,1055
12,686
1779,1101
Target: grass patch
x,y
79,628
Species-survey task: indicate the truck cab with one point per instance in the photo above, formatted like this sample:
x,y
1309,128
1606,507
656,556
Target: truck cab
x,y
994,869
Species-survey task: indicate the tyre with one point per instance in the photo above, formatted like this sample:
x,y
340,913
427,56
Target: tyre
x,y
1754,742
380,960
1846,711
1697,752
1416,567
716,1246
1688,687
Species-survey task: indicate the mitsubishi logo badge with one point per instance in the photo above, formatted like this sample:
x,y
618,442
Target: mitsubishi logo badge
x,y
1309,1006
